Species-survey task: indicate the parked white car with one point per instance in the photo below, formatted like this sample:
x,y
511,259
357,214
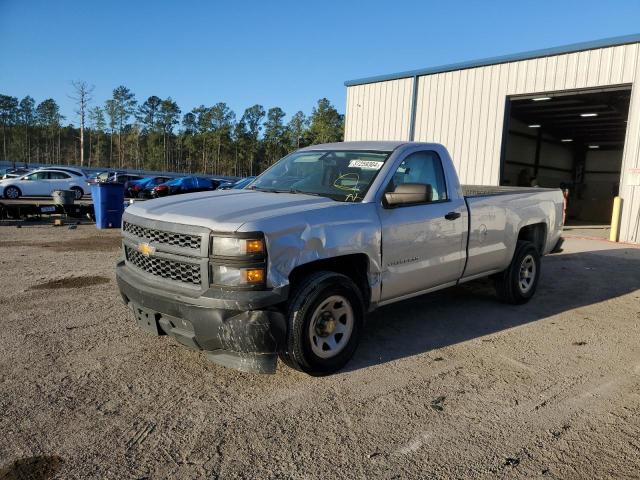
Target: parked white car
x,y
44,181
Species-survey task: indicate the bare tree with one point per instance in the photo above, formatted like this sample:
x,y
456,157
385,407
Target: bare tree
x,y
82,97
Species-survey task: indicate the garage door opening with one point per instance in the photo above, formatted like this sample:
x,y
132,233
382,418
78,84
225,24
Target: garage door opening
x,y
571,140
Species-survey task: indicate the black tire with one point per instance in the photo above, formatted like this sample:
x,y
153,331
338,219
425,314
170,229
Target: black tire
x,y
307,297
12,193
513,288
78,192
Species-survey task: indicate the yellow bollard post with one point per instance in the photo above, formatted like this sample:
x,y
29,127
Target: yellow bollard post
x,y
615,219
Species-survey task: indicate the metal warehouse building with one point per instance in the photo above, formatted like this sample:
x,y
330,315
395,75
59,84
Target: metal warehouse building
x,y
561,117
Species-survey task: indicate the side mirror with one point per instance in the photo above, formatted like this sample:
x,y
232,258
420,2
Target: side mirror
x,y
408,193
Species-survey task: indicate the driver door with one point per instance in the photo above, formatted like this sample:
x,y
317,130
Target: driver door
x,y
422,244
34,184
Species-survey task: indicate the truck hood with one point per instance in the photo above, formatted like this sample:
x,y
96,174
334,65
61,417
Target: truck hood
x,y
226,210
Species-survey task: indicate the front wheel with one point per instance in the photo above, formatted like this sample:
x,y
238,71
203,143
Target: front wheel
x,y
324,321
12,193
518,283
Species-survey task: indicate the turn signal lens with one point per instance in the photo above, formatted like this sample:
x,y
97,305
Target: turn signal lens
x,y
254,246
228,276
254,275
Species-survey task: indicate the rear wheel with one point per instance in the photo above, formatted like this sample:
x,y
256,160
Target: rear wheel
x,y
12,193
518,283
77,192
325,317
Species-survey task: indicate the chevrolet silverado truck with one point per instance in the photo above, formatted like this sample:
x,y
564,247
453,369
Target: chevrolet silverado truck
x,y
289,266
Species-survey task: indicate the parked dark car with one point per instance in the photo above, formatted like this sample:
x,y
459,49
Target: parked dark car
x,y
243,182
100,177
183,185
136,188
237,185
226,184
120,177
14,172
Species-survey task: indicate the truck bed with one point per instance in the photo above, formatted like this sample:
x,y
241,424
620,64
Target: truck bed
x,y
497,214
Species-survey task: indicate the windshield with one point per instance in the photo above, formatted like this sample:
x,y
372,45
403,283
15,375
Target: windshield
x,y
341,175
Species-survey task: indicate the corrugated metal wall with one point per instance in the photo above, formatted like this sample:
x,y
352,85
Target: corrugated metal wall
x,y
464,110
379,111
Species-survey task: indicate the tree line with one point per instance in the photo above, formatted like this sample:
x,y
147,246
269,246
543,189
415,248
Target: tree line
x,y
154,134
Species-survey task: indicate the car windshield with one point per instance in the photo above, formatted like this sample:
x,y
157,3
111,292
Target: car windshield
x,y
341,175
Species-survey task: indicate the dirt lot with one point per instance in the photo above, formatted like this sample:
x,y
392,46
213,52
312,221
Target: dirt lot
x,y
449,385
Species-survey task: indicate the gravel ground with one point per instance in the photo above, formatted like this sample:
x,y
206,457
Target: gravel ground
x,y
452,384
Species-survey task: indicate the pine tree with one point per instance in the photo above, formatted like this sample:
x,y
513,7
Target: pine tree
x,y
82,97
274,134
326,124
124,102
253,120
98,125
8,116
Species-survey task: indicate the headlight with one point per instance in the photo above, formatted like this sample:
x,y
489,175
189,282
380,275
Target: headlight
x,y
238,261
237,276
236,247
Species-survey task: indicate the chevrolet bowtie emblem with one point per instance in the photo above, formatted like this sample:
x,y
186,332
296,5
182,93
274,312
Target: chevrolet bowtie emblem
x,y
146,249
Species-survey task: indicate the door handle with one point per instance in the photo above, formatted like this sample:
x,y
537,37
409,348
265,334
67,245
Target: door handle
x,y
452,215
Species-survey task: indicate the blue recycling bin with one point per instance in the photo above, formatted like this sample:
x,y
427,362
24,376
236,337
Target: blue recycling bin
x,y
108,204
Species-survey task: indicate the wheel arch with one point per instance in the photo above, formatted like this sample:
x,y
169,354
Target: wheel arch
x,y
78,187
535,233
355,266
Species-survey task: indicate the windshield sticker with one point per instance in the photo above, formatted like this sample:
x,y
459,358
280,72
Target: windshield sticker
x,y
348,182
366,164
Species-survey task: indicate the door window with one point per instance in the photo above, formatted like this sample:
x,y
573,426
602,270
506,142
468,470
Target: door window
x,y
37,176
424,168
58,176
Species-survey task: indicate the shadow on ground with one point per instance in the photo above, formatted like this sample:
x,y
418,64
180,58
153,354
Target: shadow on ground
x,y
471,310
31,468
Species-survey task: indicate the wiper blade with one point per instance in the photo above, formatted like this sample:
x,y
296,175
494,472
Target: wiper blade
x,y
295,190
270,190
291,190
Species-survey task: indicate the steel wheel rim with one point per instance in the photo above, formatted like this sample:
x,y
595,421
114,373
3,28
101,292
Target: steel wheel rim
x,y
78,193
12,193
331,326
527,273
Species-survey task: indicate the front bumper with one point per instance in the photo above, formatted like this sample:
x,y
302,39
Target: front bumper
x,y
237,329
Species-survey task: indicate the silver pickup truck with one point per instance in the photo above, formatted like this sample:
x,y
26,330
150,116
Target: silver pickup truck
x,y
289,266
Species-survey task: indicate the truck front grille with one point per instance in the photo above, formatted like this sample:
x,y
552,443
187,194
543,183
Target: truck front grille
x,y
166,238
188,273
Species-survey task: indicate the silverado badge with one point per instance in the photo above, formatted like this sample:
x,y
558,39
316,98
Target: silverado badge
x,y
146,249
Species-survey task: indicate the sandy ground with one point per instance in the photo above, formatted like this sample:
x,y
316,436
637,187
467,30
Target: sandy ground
x,y
452,384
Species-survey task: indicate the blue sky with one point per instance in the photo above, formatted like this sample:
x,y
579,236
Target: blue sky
x,y
276,53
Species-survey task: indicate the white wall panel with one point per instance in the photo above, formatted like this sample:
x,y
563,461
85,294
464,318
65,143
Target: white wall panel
x,y
379,111
630,222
